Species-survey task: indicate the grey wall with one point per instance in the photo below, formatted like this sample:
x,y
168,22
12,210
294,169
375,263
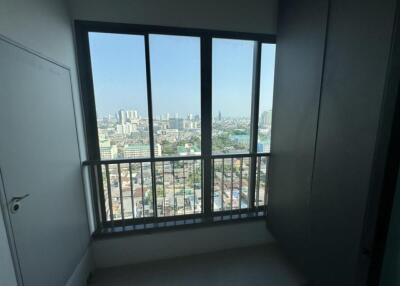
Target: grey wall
x,y
299,62
353,89
44,26
333,194
148,247
391,265
257,16
80,275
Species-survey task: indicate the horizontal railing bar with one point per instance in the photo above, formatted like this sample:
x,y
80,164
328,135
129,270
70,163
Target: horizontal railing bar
x,y
138,229
166,159
241,155
147,220
154,220
223,156
263,154
238,211
142,160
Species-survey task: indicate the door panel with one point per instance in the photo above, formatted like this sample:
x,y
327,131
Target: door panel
x,y
39,157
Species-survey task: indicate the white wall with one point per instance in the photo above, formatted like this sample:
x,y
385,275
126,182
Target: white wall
x,y
148,247
258,16
43,26
7,273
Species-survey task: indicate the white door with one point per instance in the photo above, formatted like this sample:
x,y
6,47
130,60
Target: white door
x,y
40,166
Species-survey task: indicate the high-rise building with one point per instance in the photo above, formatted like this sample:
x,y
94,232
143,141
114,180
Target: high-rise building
x,y
122,116
120,129
140,150
269,117
127,128
157,150
219,116
188,124
136,150
132,114
176,123
108,151
265,119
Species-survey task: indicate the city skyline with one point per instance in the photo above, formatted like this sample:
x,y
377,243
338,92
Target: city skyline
x,y
171,115
119,74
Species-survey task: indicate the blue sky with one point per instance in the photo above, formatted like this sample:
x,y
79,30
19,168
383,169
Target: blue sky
x,y
118,66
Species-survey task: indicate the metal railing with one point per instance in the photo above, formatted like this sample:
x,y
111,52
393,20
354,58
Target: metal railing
x,y
231,182
137,191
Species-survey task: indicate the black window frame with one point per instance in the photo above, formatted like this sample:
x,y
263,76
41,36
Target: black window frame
x,y
82,30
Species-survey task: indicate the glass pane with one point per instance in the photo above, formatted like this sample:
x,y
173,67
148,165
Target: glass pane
x,y
175,80
230,181
178,186
106,193
142,200
119,79
127,190
266,95
115,192
232,72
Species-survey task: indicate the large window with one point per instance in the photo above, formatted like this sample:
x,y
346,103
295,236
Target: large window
x,y
178,122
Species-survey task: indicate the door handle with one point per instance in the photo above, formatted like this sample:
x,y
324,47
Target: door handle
x,y
15,203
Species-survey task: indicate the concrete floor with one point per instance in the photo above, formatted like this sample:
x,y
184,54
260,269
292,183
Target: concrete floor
x,y
258,265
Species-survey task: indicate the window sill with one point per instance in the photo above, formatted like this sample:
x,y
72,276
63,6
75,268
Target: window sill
x,y
177,223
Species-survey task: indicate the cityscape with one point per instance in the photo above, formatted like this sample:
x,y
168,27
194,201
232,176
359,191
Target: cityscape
x,y
125,135
118,64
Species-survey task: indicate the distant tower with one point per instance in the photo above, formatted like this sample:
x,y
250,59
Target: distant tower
x,y
176,123
266,118
122,116
219,116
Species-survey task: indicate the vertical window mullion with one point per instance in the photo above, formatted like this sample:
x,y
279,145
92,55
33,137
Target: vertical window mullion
x,y
150,115
90,119
206,121
255,102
